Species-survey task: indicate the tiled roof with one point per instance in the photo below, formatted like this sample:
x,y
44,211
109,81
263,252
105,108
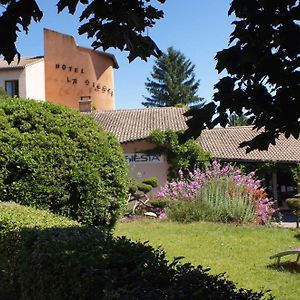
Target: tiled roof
x,y
24,61
137,124
223,144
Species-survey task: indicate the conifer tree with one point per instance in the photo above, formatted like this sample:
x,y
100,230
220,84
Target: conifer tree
x,y
173,81
236,120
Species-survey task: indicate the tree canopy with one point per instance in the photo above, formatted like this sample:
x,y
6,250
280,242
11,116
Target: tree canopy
x,y
261,63
262,72
172,81
119,24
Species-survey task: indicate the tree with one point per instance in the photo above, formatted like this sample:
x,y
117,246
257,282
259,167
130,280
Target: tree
x,y
52,157
261,62
119,24
173,81
235,120
263,75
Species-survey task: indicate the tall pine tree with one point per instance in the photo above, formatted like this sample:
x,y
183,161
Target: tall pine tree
x,y
173,81
236,120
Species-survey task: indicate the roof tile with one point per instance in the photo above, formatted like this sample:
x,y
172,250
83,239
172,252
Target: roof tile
x,y
24,61
223,143
137,124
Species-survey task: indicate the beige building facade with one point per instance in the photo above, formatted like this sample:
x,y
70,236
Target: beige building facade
x,y
24,79
132,127
74,74
67,74
142,165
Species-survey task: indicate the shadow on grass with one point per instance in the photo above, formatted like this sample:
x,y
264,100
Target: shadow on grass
x,y
85,263
297,236
287,266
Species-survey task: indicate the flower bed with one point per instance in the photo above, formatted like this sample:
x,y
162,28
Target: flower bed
x,y
220,193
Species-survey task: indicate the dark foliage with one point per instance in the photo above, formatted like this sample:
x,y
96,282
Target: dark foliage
x,y
294,205
263,76
16,16
119,24
173,81
46,258
235,120
55,158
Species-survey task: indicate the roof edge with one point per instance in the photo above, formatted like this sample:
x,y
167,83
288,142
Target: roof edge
x,y
17,67
256,160
111,56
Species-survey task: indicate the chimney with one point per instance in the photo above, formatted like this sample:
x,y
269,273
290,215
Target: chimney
x,y
85,104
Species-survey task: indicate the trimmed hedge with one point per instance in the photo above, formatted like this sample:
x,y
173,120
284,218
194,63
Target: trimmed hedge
x,y
53,157
49,257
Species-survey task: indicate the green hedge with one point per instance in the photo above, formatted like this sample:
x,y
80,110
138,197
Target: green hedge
x,y
44,256
55,158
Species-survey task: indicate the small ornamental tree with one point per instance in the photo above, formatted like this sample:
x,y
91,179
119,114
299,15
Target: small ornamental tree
x,y
55,158
173,81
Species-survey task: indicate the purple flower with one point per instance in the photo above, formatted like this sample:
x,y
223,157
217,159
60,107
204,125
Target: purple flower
x,y
187,188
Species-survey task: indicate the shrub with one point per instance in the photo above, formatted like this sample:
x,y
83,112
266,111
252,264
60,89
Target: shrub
x,y
3,94
153,181
55,158
185,212
143,187
138,198
160,203
296,174
294,205
225,191
227,201
180,156
49,257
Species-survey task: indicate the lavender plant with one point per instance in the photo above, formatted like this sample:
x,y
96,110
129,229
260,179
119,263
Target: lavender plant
x,y
228,194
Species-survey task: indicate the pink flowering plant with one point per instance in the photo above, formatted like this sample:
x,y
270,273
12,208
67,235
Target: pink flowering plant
x,y
227,193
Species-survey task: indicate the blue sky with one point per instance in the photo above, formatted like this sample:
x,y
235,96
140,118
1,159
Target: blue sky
x,y
197,28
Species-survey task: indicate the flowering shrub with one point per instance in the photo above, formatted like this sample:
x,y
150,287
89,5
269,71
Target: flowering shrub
x,y
238,197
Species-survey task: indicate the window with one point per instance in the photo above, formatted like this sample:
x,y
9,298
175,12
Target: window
x,y
12,88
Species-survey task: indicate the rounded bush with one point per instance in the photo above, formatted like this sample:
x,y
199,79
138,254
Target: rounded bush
x,y
146,188
160,203
294,204
153,181
55,158
48,257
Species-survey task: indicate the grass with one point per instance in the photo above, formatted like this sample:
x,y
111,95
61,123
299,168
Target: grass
x,y
241,251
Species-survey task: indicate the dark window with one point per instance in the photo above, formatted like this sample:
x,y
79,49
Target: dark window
x,y
12,88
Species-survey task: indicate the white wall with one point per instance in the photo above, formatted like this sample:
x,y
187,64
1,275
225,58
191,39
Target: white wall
x,y
14,74
35,81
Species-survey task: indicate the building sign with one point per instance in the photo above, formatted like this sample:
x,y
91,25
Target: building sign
x,y
142,158
96,86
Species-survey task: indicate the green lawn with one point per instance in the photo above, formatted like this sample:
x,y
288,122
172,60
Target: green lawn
x,y
241,251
